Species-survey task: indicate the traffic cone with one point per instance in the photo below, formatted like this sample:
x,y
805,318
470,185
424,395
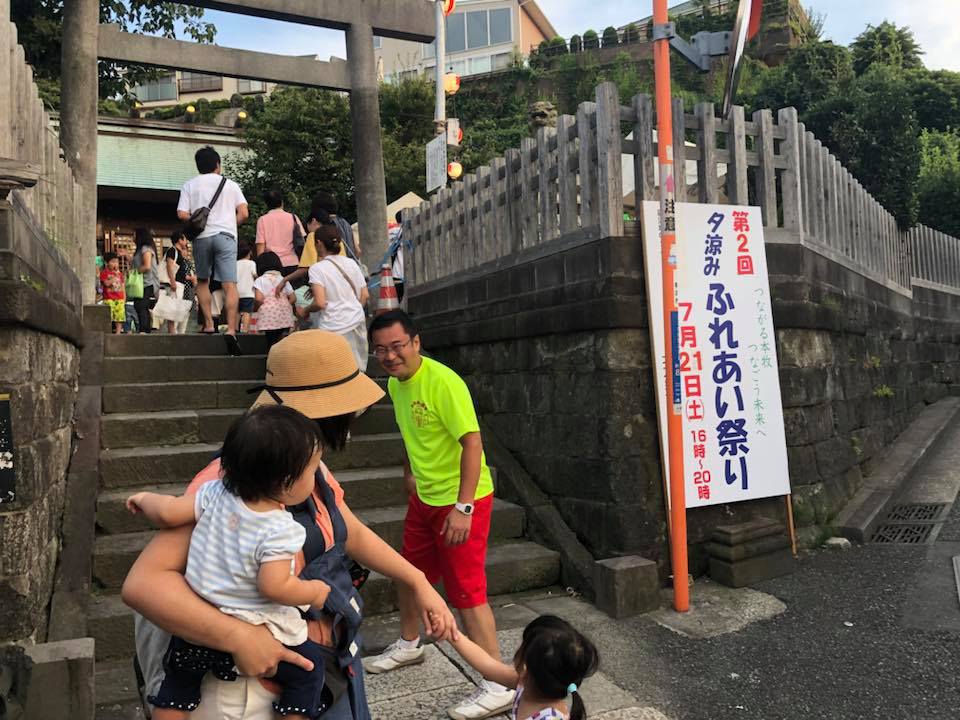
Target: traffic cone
x,y
388,292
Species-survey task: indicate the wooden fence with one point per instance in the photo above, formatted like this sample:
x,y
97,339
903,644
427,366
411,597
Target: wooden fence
x,y
43,189
571,178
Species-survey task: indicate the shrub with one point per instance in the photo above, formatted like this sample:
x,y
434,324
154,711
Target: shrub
x,y
576,44
631,34
610,37
558,46
590,40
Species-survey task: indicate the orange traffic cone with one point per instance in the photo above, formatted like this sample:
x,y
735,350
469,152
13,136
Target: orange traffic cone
x,y
388,292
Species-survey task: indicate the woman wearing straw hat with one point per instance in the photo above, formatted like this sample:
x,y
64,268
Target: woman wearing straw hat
x,y
315,373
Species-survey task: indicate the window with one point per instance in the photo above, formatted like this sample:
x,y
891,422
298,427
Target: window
x,y
163,88
501,26
245,87
480,65
191,82
430,50
459,67
405,75
478,34
456,33
377,42
502,60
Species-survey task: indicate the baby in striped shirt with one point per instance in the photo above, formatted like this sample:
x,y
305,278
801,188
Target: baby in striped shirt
x,y
241,556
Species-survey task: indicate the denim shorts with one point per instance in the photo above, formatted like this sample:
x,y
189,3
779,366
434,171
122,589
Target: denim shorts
x,y
216,253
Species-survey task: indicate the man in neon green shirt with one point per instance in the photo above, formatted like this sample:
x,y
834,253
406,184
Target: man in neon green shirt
x,y
451,497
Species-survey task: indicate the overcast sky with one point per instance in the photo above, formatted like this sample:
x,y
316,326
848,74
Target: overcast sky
x,y
935,23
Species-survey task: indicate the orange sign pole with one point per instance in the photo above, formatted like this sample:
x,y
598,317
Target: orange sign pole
x,y
669,261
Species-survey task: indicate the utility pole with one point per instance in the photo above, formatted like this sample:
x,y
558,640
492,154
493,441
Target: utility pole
x,y
440,114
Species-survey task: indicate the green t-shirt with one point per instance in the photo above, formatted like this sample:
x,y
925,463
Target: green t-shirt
x,y
434,410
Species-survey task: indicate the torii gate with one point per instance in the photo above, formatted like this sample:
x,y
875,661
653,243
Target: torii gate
x,y
84,40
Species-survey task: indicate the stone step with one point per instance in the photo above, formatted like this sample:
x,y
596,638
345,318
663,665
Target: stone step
x,y
130,467
364,489
188,395
162,345
113,555
513,566
183,368
178,427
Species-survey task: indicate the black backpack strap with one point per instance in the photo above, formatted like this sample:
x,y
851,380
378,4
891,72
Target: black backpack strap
x,y
216,195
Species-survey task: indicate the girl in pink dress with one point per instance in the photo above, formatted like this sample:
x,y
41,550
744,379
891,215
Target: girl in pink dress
x,y
274,313
547,670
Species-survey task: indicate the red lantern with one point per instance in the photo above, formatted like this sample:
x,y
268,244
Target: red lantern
x,y
448,6
454,170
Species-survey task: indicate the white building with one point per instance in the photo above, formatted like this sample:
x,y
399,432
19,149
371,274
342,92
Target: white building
x,y
175,88
482,36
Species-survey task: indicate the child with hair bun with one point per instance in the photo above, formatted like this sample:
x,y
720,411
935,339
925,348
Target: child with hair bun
x,y
551,664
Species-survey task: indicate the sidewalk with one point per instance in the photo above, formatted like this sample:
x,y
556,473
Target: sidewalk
x,y
422,692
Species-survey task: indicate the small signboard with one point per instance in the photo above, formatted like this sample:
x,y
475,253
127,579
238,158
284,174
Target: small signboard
x,y
734,446
436,163
7,471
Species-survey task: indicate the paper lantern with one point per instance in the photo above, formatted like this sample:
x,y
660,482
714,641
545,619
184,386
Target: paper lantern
x,y
451,83
448,6
242,115
191,109
454,170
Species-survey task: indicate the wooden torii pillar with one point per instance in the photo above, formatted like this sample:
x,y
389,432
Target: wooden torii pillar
x,y
411,20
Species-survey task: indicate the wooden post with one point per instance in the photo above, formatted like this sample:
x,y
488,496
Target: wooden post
x,y
6,89
737,190
501,207
707,160
609,161
549,224
483,213
818,195
566,176
791,177
679,150
528,201
766,174
514,178
643,158
588,176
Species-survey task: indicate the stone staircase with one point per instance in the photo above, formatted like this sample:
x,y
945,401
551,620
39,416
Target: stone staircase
x,y
167,402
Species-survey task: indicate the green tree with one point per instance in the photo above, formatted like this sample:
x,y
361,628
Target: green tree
x,y
939,184
888,44
590,40
810,73
39,25
936,98
300,142
610,37
869,124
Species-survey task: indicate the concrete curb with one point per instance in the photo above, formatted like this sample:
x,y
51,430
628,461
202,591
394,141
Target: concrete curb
x,y
866,510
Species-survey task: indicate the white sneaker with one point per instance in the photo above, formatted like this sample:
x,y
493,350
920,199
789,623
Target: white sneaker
x,y
392,658
483,703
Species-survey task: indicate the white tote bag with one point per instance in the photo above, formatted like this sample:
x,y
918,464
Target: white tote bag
x,y
172,306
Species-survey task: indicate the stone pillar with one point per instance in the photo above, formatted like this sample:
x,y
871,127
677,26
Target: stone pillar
x,y
367,150
78,121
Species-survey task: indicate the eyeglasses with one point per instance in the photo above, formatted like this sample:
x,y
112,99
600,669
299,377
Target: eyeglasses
x,y
381,352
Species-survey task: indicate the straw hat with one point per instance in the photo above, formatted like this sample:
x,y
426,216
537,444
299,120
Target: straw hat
x,y
314,372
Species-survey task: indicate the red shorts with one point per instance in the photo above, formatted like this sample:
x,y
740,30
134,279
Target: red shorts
x,y
461,567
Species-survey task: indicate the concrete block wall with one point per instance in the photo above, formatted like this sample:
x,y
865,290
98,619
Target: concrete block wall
x,y
554,345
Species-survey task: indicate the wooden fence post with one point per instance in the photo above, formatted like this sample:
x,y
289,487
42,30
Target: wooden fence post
x,y
737,189
679,150
588,174
644,158
513,208
791,178
566,177
528,199
708,190
609,161
549,224
766,189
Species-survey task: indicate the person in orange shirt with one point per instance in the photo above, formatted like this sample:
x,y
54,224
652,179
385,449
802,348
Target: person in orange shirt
x,y
114,293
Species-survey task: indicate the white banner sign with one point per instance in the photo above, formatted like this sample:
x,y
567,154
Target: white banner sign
x,y
733,440
436,163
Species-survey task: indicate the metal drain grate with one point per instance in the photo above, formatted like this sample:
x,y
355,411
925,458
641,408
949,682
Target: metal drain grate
x,y
930,512
903,534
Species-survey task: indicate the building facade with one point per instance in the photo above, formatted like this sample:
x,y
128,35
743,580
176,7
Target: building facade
x,y
176,88
482,36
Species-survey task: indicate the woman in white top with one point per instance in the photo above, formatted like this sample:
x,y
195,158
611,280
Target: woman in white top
x,y
339,294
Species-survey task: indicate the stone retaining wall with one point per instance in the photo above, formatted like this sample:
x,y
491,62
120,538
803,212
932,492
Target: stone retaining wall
x,y
553,343
40,333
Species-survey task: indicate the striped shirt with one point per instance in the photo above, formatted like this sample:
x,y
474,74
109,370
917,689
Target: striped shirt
x,y
228,545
